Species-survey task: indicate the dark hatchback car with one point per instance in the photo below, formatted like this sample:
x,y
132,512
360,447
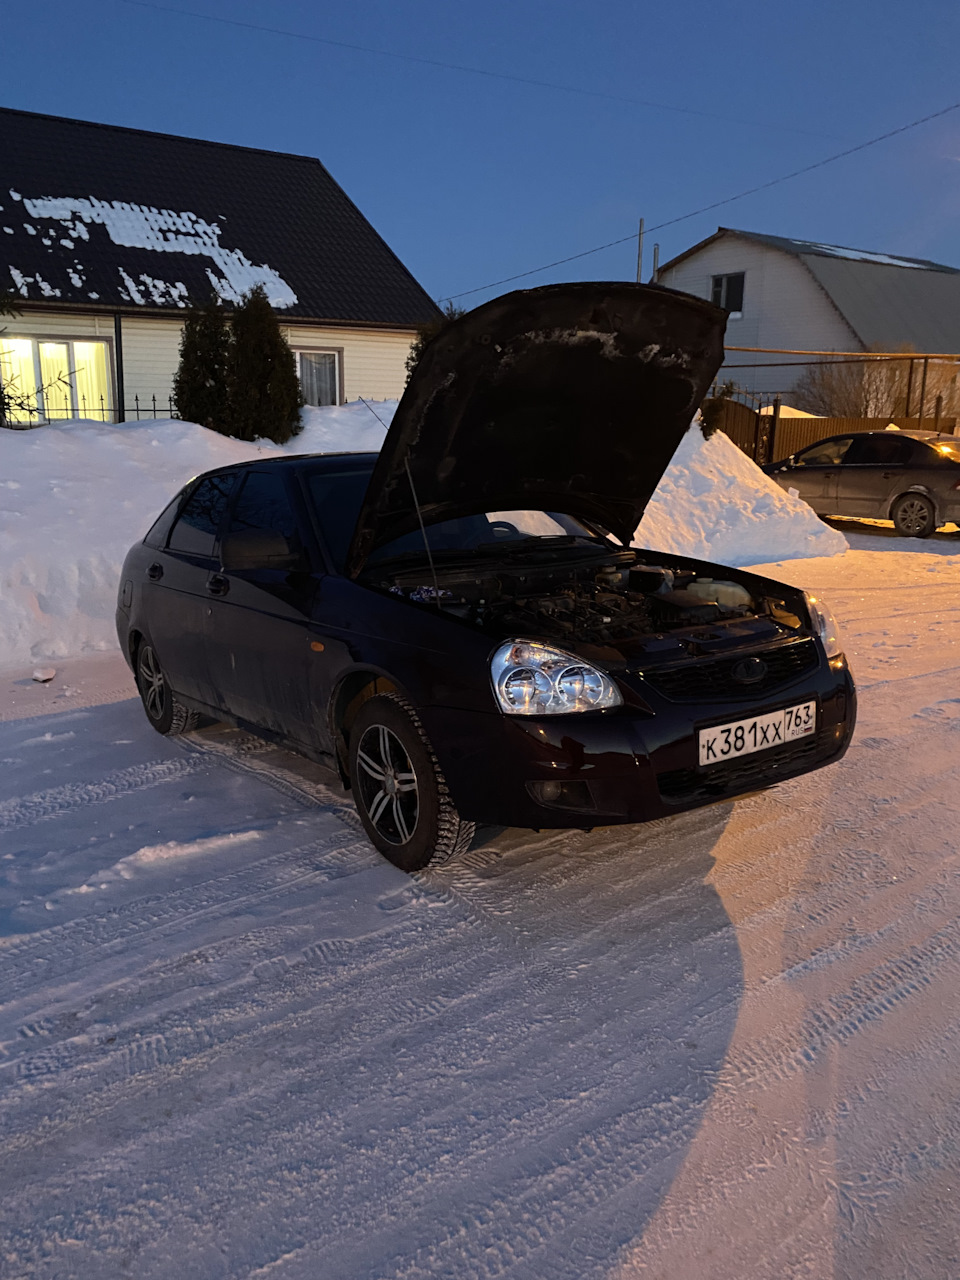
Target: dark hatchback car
x,y
909,477
460,626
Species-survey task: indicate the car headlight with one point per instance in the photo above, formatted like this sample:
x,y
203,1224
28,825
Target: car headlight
x,y
825,624
533,680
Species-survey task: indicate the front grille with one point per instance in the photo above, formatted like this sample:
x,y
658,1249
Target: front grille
x,y
747,773
711,679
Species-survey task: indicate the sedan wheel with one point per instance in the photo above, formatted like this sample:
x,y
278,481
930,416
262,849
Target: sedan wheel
x,y
164,711
913,516
399,790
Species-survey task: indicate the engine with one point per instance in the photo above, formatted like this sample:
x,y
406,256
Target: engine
x,y
618,600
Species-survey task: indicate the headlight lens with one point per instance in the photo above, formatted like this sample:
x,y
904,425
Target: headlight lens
x,y
533,680
826,624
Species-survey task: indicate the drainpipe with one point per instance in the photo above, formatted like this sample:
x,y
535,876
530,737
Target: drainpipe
x,y
118,361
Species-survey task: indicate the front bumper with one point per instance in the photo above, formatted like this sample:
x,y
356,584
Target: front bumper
x,y
637,764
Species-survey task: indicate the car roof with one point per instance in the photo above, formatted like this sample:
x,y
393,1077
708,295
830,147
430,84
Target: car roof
x,y
288,461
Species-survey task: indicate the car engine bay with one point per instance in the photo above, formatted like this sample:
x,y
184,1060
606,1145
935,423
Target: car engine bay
x,y
613,599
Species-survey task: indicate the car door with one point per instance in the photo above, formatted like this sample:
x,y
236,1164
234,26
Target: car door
x,y
812,473
175,592
872,473
258,619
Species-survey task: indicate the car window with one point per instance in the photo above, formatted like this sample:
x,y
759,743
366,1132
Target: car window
x,y
263,505
488,530
195,533
883,448
825,453
336,498
933,453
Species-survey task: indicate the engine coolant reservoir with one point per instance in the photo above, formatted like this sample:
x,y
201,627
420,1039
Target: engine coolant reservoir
x,y
729,595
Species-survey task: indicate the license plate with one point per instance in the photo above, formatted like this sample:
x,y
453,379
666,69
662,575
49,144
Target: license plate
x,y
742,737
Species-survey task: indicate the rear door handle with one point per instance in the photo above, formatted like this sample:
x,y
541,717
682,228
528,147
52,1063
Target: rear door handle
x,y
155,572
218,585
888,475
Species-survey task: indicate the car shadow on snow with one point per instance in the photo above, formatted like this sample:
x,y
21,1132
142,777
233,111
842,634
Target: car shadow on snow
x,y
631,974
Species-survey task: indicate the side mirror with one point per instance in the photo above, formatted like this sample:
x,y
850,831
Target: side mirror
x,y
257,549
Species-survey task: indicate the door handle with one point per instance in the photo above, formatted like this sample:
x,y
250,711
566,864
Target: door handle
x,y
218,585
888,475
155,572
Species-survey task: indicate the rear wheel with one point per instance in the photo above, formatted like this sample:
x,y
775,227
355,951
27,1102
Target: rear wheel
x,y
399,790
165,713
913,516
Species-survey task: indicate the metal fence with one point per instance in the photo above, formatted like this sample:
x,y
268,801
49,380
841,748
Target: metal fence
x,y
766,436
143,408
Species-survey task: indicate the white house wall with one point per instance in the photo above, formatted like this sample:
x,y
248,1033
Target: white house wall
x,y
372,360
783,306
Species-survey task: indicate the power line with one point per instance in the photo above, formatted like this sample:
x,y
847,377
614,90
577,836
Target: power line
x,y
716,204
474,71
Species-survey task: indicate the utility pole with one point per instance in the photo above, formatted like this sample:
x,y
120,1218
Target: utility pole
x,y
640,252
656,264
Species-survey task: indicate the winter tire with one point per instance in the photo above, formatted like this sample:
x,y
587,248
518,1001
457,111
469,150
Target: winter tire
x,y
398,788
913,516
165,713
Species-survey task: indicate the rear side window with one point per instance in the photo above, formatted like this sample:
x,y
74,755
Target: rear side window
x,y
336,498
195,533
825,454
883,449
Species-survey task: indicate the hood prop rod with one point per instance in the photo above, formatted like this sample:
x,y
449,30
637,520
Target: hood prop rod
x,y
416,505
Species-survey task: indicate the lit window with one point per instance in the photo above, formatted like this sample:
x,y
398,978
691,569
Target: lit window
x,y
728,292
49,381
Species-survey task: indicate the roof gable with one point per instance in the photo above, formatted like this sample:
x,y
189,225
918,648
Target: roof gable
x,y
103,216
888,302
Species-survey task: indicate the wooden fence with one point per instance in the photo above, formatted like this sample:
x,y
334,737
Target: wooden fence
x,y
754,433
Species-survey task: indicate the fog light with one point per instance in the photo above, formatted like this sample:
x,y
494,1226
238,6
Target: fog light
x,y
562,795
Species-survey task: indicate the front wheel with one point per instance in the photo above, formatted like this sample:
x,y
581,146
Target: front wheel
x,y
399,790
913,516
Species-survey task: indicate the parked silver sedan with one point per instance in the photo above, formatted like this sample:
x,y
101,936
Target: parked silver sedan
x,y
909,477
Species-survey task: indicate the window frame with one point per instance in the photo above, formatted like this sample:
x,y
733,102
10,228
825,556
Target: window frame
x,y
300,350
110,408
735,313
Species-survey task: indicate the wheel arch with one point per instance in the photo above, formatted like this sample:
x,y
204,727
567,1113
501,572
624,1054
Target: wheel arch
x,y
921,493
354,689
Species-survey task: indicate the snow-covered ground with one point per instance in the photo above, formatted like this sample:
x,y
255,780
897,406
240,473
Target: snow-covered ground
x,y
74,497
723,1046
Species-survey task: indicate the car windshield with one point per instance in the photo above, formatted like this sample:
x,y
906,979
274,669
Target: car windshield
x,y
948,449
336,498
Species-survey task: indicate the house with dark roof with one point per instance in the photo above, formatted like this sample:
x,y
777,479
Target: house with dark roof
x,y
806,296
108,235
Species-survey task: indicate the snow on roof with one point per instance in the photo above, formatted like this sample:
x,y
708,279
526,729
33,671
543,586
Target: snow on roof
x,y
93,214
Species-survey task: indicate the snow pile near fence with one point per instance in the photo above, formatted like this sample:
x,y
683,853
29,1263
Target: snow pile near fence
x,y
73,497
713,503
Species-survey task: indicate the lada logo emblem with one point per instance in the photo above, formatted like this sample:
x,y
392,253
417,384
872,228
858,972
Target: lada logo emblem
x,y
749,670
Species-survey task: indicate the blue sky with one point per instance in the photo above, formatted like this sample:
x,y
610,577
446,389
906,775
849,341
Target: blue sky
x,y
472,178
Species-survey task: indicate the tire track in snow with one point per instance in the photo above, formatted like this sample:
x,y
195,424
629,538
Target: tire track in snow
x,y
24,811
60,952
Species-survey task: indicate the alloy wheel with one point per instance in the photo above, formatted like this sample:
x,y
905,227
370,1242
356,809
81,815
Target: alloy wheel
x,y
387,784
152,686
913,516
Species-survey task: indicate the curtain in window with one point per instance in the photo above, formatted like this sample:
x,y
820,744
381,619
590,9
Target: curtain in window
x,y
318,377
18,376
55,380
93,387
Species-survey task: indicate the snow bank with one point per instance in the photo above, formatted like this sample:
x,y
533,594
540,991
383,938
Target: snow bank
x,y
73,497
715,504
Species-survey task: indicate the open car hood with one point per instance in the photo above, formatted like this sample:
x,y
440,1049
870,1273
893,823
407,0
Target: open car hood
x,y
568,398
